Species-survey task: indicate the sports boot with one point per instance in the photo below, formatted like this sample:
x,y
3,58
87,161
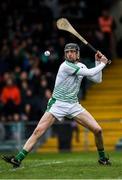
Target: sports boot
x,y
104,161
11,160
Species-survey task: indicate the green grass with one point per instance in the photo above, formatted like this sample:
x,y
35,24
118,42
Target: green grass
x,y
64,166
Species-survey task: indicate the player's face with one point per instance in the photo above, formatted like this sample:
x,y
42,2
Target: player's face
x,y
71,55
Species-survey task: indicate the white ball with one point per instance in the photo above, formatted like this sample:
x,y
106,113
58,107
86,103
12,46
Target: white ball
x,y
47,53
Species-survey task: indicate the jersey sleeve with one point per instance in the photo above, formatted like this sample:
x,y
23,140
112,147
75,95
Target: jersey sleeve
x,y
98,77
84,71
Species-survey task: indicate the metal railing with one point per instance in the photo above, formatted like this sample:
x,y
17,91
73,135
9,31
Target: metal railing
x,y
13,135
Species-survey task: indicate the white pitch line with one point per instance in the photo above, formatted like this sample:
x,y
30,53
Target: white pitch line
x,y
33,166
42,162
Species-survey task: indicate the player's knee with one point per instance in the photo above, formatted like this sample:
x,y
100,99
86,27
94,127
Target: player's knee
x,y
98,130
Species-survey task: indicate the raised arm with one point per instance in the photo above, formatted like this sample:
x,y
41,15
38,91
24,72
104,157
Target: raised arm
x,y
84,71
98,77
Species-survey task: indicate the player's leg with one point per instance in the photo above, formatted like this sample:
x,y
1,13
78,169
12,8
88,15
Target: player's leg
x,y
87,120
46,121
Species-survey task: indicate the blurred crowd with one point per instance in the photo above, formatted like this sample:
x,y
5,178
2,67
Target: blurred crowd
x,y
28,28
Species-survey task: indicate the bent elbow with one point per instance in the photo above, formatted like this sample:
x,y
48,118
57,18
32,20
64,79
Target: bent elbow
x,y
95,80
98,81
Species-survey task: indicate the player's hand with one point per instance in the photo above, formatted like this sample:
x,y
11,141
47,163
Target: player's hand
x,y
104,59
100,57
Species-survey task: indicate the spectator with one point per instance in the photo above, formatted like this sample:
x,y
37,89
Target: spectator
x,y
45,99
10,98
64,132
107,26
28,113
2,132
43,86
76,130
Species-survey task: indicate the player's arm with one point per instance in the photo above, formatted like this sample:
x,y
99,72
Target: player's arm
x,y
98,77
84,71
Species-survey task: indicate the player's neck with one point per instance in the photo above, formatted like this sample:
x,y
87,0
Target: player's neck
x,y
71,61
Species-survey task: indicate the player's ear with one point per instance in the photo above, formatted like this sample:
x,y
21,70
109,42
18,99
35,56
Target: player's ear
x,y
65,56
78,55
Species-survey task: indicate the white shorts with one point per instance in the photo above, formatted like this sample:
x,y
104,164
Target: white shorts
x,y
62,109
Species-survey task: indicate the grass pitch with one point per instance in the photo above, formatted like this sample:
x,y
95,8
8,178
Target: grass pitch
x,y
64,166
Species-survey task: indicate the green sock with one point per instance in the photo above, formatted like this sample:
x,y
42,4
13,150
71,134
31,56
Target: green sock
x,y
101,153
21,155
